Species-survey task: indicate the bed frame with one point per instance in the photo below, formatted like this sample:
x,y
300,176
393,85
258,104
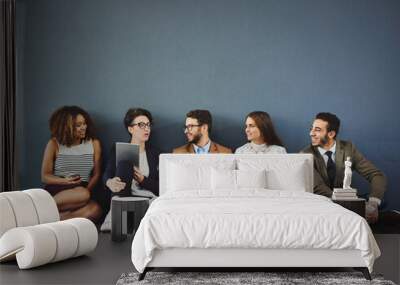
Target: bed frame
x,y
256,258
246,257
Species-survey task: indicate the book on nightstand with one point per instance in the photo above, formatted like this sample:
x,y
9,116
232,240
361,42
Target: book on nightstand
x,y
344,194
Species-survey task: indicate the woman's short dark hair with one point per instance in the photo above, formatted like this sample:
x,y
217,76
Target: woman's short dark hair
x,y
264,124
132,113
332,120
202,116
62,124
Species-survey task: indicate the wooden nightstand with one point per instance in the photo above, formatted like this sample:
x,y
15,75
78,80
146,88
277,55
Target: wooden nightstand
x,y
356,205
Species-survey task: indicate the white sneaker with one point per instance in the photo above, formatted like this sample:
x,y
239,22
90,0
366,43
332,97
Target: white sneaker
x,y
106,226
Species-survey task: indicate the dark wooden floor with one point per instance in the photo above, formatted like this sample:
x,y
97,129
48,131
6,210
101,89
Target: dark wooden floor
x,y
110,259
102,266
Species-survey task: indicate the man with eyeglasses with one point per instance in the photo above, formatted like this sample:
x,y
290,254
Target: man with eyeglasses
x,y
330,155
197,129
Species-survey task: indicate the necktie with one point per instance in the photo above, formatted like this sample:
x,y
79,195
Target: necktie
x,y
200,150
330,168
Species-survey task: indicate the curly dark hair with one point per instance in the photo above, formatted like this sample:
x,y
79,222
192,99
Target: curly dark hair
x,y
62,124
264,124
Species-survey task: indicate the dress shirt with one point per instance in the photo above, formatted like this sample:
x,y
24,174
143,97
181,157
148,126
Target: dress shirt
x,y
201,150
322,151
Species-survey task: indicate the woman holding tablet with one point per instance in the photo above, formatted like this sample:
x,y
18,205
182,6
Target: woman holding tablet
x,y
71,163
261,135
125,179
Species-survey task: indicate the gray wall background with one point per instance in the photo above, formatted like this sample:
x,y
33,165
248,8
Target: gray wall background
x,y
289,58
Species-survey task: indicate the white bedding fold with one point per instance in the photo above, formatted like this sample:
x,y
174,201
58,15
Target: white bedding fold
x,y
253,218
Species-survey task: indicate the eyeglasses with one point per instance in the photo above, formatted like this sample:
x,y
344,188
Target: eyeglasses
x,y
142,125
190,127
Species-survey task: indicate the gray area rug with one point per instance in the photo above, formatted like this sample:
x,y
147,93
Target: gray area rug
x,y
228,278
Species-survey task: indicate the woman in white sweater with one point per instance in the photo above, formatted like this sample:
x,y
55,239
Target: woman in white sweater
x,y
261,135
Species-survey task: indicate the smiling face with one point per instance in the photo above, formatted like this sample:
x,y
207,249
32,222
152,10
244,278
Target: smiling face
x,y
319,134
193,131
80,127
140,129
253,133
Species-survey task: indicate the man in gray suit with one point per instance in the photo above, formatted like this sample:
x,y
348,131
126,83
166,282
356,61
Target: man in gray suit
x,y
329,157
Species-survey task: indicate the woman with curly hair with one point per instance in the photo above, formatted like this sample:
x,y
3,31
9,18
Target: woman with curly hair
x,y
71,164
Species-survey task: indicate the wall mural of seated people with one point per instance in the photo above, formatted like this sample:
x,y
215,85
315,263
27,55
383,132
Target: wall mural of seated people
x,y
197,129
330,155
126,179
261,134
71,164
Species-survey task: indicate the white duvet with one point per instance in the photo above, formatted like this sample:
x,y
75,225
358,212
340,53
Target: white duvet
x,y
253,218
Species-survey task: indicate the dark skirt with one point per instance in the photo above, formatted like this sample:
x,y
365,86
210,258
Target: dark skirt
x,y
54,189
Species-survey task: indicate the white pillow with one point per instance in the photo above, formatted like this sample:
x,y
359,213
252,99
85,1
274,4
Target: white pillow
x,y
182,177
228,179
194,172
223,179
291,179
284,172
251,178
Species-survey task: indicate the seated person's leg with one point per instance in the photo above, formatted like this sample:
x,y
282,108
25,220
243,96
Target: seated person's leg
x,y
72,199
91,211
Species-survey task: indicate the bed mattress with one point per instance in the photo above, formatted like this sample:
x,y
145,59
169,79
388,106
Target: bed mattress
x,y
251,219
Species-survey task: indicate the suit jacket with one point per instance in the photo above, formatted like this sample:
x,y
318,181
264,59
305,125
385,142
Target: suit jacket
x,y
214,148
149,183
360,164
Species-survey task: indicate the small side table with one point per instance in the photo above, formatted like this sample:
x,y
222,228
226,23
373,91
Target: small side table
x,y
120,206
357,205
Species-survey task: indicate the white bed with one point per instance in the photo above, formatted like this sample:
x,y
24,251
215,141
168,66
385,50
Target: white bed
x,y
247,211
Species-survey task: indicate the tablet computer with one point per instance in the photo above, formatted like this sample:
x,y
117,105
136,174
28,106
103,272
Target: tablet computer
x,y
128,152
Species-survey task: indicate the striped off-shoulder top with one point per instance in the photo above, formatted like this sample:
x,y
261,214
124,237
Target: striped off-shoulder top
x,y
75,160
